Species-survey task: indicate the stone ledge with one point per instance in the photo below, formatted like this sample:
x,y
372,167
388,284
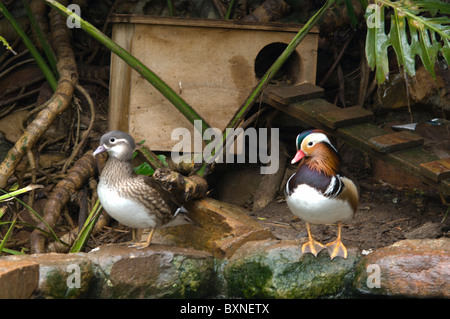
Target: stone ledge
x,y
417,268
54,274
278,269
18,279
111,271
225,228
154,272
257,269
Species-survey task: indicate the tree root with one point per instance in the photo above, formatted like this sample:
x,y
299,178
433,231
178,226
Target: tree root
x,y
57,104
183,188
82,170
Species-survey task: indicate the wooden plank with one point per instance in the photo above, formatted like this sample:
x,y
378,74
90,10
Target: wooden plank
x,y
315,107
396,141
305,111
208,23
308,112
293,93
119,83
358,135
215,82
410,159
437,170
345,116
444,186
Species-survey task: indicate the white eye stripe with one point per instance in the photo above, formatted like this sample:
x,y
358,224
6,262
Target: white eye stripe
x,y
314,138
117,140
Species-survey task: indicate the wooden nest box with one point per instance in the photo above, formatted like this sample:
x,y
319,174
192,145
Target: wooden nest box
x,y
212,64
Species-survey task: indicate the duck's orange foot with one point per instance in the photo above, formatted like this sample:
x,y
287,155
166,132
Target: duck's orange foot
x,y
337,248
139,245
313,247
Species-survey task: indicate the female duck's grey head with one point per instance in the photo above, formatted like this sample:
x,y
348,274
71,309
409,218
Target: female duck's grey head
x,y
118,144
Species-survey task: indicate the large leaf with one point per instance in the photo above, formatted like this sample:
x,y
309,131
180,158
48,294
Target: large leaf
x,y
399,42
377,43
411,34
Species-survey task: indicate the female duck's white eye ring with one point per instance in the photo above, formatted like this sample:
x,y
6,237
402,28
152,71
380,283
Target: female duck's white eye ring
x,y
112,140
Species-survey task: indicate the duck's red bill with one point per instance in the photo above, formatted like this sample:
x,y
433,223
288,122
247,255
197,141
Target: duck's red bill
x,y
298,156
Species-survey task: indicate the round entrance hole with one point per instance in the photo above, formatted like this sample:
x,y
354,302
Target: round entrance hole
x,y
289,72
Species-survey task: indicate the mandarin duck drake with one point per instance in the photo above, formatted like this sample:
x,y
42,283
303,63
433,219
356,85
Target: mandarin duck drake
x,y
137,201
316,192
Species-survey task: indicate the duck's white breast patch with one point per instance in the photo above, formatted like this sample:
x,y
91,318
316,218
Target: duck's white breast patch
x,y
311,206
123,210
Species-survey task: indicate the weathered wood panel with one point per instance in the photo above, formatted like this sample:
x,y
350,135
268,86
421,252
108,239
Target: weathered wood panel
x,y
396,141
209,63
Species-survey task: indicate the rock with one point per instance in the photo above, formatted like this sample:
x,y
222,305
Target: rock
x,y
224,228
278,269
13,125
393,93
425,90
427,230
60,275
111,271
154,272
417,268
18,279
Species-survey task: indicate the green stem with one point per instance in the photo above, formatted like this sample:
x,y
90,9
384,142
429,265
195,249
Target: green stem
x,y
34,52
12,194
88,227
162,87
256,93
45,45
170,7
8,233
51,233
230,10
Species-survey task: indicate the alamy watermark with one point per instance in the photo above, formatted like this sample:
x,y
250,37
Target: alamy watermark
x,y
73,21
74,278
257,141
373,13
374,276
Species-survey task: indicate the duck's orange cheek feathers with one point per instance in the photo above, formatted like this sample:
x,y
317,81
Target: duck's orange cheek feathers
x,y
298,156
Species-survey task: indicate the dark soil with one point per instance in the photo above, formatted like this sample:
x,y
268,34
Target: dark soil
x,y
384,216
